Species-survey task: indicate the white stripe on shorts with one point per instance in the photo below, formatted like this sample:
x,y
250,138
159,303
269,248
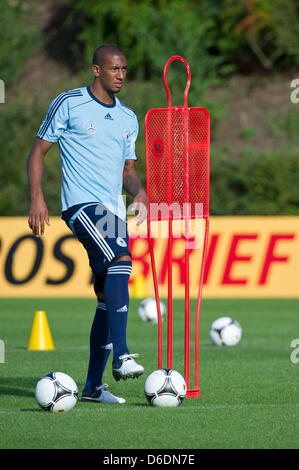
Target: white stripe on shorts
x,y
98,238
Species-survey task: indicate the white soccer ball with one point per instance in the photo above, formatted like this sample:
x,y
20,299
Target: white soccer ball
x,y
147,310
56,392
225,332
165,387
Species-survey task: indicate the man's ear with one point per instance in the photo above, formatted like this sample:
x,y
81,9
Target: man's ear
x,y
96,70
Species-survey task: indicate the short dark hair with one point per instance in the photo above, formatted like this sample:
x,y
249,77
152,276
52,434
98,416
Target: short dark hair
x,y
100,53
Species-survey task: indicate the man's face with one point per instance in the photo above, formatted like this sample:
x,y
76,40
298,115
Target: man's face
x,y
113,72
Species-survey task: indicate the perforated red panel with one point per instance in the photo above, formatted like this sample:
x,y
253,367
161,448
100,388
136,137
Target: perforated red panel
x,y
177,141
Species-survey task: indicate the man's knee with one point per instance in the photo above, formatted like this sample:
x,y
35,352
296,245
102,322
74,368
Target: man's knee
x,y
122,258
99,283
100,280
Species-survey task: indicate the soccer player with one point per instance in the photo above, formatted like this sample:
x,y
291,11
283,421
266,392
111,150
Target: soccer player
x,y
96,134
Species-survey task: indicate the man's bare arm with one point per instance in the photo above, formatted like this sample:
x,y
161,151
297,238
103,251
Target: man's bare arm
x,y
38,213
132,183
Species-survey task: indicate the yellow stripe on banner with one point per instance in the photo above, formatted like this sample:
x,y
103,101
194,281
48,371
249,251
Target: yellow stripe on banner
x,y
247,257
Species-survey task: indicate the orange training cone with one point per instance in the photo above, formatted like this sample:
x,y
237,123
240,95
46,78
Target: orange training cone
x,y
139,287
40,336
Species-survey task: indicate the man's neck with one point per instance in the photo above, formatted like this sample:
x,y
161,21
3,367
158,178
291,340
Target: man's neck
x,y
100,94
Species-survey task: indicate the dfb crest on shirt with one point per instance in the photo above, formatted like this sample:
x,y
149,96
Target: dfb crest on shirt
x,y
121,242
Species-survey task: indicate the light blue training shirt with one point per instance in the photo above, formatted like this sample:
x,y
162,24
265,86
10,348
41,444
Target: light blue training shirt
x,y
94,139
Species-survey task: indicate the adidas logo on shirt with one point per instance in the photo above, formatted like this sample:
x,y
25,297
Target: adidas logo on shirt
x,y
108,116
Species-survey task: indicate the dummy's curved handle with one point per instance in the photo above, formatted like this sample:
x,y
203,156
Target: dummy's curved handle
x,y
177,57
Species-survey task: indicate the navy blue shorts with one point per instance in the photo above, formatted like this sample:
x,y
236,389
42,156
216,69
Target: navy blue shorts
x,y
103,235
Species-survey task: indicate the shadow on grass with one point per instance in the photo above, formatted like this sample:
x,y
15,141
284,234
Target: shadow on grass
x,y
146,405
32,410
18,386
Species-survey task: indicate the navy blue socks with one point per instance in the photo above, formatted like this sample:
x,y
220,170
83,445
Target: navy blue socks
x,y
116,293
109,327
100,348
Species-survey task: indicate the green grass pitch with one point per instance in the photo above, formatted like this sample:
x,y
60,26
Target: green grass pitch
x,y
249,393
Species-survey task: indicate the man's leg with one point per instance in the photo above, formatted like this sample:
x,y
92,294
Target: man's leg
x,y
100,347
108,253
116,292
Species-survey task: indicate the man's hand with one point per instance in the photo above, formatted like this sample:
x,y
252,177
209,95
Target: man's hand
x,y
140,203
133,185
38,216
38,213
